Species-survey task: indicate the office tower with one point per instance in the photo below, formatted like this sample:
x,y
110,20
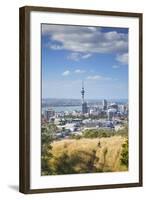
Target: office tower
x,y
104,104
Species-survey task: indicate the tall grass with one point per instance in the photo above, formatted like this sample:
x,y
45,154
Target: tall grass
x,y
87,155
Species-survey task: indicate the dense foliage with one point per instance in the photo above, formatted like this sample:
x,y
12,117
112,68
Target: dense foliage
x,y
123,132
94,133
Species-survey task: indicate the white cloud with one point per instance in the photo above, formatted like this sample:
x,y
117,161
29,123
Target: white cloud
x,y
115,66
98,77
122,58
76,56
79,71
86,56
55,47
66,73
85,40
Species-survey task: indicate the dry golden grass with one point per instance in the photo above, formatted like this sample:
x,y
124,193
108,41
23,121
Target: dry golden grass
x,y
102,153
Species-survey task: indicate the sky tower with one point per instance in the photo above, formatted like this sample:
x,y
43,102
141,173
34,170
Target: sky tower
x,y
84,104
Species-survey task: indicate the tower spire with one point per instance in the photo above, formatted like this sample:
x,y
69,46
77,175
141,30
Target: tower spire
x,y
84,104
82,84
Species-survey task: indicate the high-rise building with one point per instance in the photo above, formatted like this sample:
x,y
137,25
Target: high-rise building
x,y
113,105
84,104
104,104
49,113
111,113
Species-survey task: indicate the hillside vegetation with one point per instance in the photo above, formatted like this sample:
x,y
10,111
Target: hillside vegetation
x,y
87,155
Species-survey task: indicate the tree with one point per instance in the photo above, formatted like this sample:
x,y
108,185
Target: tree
x,y
123,132
47,133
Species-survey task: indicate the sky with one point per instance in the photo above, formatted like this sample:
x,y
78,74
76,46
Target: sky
x,y
96,55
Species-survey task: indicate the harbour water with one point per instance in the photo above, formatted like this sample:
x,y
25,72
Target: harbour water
x,y
62,108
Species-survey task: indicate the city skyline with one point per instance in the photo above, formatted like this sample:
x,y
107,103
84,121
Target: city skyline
x,y
72,54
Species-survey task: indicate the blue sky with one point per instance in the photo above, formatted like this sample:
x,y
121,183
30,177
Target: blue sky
x,y
96,55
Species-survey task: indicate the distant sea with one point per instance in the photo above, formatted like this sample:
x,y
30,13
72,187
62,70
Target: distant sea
x,y
62,108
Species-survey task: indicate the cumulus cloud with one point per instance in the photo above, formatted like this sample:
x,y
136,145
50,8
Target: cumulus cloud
x,y
98,77
76,56
85,56
86,40
79,71
55,47
66,73
122,58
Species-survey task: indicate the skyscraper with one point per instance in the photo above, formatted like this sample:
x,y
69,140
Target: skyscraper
x,y
104,103
84,104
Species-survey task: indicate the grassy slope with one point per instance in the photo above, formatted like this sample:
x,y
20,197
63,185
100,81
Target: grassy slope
x,y
103,153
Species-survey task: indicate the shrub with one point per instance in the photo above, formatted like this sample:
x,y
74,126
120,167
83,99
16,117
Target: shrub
x,y
46,139
124,154
77,137
73,162
123,132
96,133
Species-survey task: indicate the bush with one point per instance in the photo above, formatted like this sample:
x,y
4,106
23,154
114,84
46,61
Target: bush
x,y
75,162
95,133
123,132
124,154
61,164
77,137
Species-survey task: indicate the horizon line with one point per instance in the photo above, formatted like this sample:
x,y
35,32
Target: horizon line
x,y
86,98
